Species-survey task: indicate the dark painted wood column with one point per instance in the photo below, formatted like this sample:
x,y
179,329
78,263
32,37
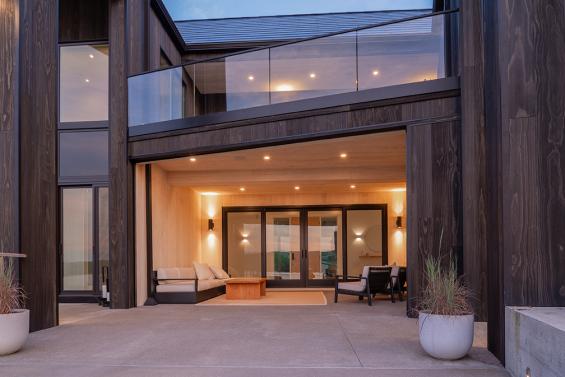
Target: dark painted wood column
x,y
433,198
473,154
122,263
38,173
525,123
9,125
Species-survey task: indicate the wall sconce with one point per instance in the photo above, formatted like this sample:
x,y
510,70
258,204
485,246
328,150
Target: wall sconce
x,y
210,225
398,222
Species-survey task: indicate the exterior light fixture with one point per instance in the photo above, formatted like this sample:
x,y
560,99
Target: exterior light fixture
x,y
376,72
352,186
312,75
87,80
398,222
528,372
343,155
242,189
91,56
251,77
297,188
266,157
192,159
210,225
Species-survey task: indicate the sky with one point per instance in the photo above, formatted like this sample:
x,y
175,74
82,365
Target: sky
x,y
204,9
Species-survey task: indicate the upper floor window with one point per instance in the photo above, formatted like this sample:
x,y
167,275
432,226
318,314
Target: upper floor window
x,y
83,83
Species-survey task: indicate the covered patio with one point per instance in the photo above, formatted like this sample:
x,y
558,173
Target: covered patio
x,y
345,339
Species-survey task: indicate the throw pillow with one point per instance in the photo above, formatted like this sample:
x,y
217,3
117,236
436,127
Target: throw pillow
x,y
203,271
219,273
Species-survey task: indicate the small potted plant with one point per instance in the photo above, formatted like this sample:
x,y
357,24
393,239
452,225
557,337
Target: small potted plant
x,y
14,320
446,319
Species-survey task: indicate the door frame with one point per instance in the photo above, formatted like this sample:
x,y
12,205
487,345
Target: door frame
x,y
303,282
80,296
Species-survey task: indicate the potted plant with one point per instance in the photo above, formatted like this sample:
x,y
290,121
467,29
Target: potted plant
x,y
446,319
14,321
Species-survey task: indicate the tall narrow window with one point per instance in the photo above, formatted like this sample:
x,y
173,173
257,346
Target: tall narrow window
x,y
83,83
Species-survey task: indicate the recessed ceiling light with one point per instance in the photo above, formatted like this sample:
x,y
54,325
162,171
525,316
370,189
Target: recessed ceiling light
x,y
242,189
210,193
312,75
297,188
343,155
91,56
266,157
251,77
353,186
376,72
87,80
193,159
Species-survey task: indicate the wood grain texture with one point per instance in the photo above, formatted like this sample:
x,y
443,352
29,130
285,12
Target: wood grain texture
x,y
38,185
473,155
122,254
83,20
532,59
159,39
9,127
343,120
493,140
433,197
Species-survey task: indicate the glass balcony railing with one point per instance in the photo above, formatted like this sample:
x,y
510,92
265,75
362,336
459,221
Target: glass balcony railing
x,y
399,52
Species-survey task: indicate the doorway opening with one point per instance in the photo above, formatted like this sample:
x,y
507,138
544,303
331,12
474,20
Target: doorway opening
x,y
297,214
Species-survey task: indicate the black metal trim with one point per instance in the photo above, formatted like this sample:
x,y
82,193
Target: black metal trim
x,y
303,213
335,100
94,125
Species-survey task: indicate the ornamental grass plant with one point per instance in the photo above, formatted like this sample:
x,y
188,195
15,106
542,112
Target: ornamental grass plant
x,y
11,294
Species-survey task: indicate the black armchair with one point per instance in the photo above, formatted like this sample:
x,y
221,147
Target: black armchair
x,y
373,280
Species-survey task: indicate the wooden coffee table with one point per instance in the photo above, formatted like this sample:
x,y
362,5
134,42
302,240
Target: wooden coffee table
x,y
245,288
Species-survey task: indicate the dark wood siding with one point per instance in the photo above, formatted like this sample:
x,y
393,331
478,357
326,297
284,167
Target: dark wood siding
x,y
83,20
433,198
9,124
473,155
38,124
525,127
296,127
122,262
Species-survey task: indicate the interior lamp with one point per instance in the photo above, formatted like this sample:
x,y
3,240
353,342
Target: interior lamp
x,y
210,225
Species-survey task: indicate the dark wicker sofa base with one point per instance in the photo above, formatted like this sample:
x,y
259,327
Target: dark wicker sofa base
x,y
188,297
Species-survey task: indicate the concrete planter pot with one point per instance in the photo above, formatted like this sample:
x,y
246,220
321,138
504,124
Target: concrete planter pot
x,y
446,337
14,329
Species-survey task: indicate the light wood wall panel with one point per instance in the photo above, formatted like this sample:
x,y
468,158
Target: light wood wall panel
x,y
140,235
175,221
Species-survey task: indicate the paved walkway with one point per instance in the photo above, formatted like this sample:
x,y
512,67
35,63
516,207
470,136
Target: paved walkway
x,y
348,339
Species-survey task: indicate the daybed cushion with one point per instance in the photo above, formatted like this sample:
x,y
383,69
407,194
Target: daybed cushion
x,y
355,286
177,286
176,273
219,273
203,271
208,284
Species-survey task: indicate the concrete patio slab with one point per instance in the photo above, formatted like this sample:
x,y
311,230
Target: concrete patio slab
x,y
344,339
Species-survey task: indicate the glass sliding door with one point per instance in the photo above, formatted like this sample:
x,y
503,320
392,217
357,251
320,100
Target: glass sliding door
x,y
283,246
324,245
77,239
85,248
